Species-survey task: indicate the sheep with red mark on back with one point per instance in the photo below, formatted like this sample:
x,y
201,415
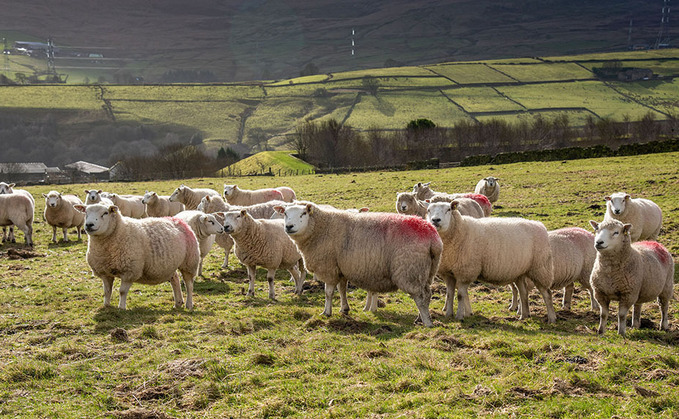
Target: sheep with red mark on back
x,y
378,252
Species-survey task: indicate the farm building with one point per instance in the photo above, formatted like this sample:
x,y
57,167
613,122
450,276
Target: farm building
x,y
82,171
23,173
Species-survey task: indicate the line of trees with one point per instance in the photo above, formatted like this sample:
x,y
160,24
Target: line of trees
x,y
328,144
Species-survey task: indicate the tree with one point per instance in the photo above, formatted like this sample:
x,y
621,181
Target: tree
x,y
371,84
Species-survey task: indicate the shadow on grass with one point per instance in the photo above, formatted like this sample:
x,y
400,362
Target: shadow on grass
x,y
108,318
65,245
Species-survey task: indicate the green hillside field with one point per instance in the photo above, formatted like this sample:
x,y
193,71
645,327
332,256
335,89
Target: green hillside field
x,y
65,355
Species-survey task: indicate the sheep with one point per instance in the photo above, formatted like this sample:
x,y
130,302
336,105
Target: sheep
x,y
190,197
129,205
160,205
423,191
59,212
96,197
484,203
379,252
205,227
408,204
264,243
644,215
496,250
236,196
8,188
573,257
490,187
288,194
17,209
147,251
631,273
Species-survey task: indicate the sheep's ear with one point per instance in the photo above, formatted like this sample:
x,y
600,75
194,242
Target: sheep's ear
x,y
11,185
80,207
627,197
364,209
608,198
626,228
153,194
100,191
113,209
594,225
454,204
419,184
44,195
279,209
427,184
207,198
243,212
428,201
203,218
309,207
87,191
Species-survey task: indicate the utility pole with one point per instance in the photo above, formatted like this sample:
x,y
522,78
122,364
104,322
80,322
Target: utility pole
x,y
663,40
5,52
353,33
51,69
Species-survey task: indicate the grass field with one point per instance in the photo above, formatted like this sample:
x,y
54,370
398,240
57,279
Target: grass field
x,y
280,163
64,355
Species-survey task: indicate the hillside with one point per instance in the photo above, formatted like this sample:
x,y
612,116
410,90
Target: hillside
x,y
99,122
239,40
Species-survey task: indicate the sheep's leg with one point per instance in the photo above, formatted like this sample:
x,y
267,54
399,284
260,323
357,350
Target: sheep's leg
x,y
371,301
623,309
524,308
462,301
604,303
108,289
4,234
636,316
28,233
449,305
54,234
227,252
344,303
664,303
592,300
11,237
177,291
252,272
514,305
124,289
188,282
299,280
422,301
270,274
65,232
329,291
567,297
200,267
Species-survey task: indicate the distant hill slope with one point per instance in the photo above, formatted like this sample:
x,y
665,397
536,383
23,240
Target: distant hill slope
x,y
268,39
279,163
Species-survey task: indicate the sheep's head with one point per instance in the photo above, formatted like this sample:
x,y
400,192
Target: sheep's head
x,y
228,190
610,235
296,217
440,214
210,224
99,218
406,203
148,196
6,188
616,202
92,196
52,199
421,190
233,220
490,181
177,193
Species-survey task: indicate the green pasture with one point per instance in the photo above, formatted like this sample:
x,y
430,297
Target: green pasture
x,y
481,99
471,73
279,163
65,355
544,72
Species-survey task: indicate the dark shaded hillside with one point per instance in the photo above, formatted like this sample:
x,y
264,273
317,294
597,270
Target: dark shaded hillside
x,y
266,39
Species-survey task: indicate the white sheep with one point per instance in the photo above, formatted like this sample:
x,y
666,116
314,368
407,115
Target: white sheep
x,y
160,205
264,243
378,252
18,209
289,195
500,251
96,197
423,191
236,196
191,197
644,215
129,205
630,273
489,187
205,227
8,188
59,213
481,200
573,255
408,204
148,251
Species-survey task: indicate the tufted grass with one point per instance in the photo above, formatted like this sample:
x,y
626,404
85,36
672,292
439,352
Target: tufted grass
x,y
64,355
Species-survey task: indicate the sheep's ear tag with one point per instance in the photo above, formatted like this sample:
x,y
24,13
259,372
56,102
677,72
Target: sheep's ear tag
x,y
308,208
594,225
626,228
454,204
113,209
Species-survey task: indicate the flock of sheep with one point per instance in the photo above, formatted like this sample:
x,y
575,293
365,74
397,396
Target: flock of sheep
x,y
150,239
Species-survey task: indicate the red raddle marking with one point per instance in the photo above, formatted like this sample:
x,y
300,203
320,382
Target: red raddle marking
x,y
275,194
412,225
480,199
189,236
659,250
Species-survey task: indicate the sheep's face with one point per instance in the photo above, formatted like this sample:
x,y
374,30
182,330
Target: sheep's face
x,y
203,206
6,188
233,220
210,224
92,197
148,196
616,203
405,204
490,181
52,199
297,218
176,194
421,188
440,214
98,218
610,235
228,190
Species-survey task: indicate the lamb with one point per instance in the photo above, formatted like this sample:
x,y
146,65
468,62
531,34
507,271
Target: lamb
x,y
147,251
644,215
8,188
496,250
160,205
489,187
573,257
190,197
378,252
129,205
96,197
408,204
59,212
204,226
17,209
236,196
264,243
632,274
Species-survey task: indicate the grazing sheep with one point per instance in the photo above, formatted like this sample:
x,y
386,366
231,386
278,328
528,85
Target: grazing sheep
x,y
96,197
17,209
631,273
147,251
288,194
644,215
495,250
205,227
573,255
264,243
59,212
236,196
190,197
160,206
129,205
378,252
8,188
489,187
